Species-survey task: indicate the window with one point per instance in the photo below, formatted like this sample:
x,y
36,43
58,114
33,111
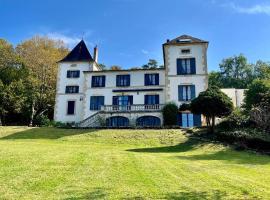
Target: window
x,y
96,102
73,73
185,51
186,120
72,89
148,121
70,107
122,80
151,99
122,102
151,79
117,121
186,66
186,92
98,81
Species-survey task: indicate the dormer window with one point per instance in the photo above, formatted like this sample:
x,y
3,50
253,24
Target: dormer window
x,y
185,51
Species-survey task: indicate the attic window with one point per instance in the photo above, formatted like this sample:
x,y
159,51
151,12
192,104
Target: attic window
x,y
185,51
73,65
184,40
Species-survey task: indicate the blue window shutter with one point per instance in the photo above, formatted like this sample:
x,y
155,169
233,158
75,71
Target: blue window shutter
x,y
146,77
157,99
128,80
93,80
130,100
193,92
115,100
193,65
92,103
180,93
117,80
68,74
179,119
103,81
146,99
179,66
157,79
197,120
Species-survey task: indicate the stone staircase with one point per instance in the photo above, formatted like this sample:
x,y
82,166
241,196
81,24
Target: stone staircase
x,y
91,121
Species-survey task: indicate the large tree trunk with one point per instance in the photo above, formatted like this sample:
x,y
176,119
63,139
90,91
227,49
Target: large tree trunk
x,y
213,124
1,121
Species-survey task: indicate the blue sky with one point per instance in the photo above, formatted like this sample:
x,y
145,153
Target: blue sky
x,y
129,32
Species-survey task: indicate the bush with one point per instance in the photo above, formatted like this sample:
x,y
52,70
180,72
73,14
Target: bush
x,y
41,120
169,112
237,119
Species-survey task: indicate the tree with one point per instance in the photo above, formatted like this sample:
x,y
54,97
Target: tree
x,y
255,92
215,79
262,70
212,103
169,112
235,72
152,64
115,67
40,55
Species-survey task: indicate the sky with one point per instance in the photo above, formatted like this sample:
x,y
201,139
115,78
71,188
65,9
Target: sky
x,y
130,32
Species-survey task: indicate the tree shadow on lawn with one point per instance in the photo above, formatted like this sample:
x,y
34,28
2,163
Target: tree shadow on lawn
x,y
230,155
194,195
182,147
46,133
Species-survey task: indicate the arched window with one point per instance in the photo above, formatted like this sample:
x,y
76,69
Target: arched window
x,y
117,121
149,121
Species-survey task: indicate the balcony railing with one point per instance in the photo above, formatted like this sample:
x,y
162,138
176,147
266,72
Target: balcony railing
x,y
129,108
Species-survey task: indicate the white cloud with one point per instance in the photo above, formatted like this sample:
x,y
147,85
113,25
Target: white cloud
x,y
71,41
145,51
256,9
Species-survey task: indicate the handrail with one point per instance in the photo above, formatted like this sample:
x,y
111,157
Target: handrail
x,y
134,107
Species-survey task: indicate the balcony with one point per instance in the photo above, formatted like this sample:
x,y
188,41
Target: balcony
x,y
132,108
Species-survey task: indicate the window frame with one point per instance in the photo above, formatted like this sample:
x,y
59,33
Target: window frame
x,y
74,109
103,79
118,80
70,71
186,66
147,79
96,107
76,92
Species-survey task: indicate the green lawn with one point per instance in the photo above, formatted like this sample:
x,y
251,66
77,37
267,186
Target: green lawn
x,y
49,163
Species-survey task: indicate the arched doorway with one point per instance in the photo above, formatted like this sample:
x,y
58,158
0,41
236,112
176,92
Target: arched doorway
x,y
117,121
148,121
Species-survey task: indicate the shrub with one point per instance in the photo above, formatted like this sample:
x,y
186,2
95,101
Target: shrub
x,y
169,112
237,119
41,120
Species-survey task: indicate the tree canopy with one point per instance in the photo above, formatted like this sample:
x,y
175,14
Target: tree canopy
x,y
212,103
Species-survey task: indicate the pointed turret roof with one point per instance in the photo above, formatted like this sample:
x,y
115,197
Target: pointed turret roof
x,y
78,53
185,39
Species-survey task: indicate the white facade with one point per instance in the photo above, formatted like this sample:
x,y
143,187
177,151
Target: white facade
x,y
237,95
188,51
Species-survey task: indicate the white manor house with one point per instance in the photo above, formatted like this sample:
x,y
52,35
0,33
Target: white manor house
x,y
91,97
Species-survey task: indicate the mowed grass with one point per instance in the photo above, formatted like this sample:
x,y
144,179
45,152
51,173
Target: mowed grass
x,y
50,163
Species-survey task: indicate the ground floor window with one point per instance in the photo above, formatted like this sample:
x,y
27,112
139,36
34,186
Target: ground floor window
x,y
187,120
70,107
148,121
117,121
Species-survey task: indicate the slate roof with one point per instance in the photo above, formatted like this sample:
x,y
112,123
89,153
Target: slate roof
x,y
183,39
78,53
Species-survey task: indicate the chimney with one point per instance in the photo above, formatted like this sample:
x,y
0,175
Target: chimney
x,y
96,54
168,40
